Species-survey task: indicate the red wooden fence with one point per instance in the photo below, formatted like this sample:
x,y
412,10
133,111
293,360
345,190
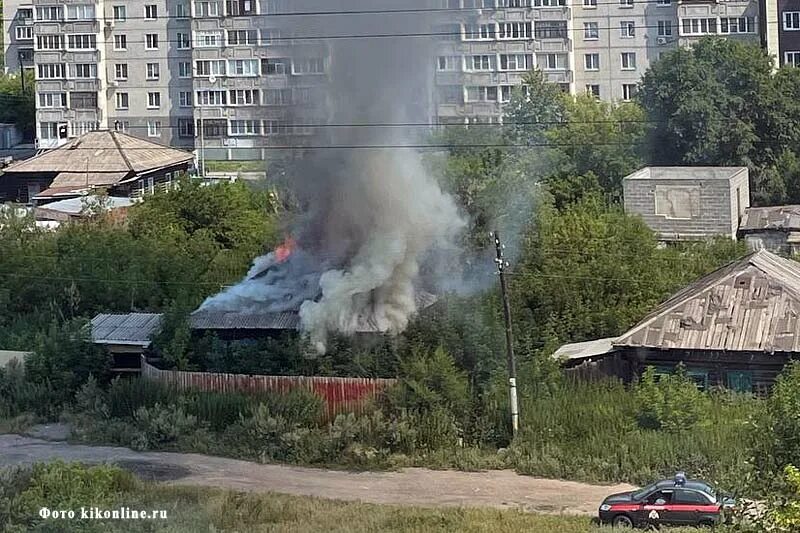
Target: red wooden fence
x,y
340,395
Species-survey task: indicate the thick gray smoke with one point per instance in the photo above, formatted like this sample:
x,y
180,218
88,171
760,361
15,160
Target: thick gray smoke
x,y
371,216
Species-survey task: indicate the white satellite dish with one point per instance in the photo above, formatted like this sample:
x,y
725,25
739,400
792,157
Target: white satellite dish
x,y
212,79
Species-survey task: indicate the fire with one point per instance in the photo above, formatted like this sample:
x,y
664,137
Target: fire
x,y
283,251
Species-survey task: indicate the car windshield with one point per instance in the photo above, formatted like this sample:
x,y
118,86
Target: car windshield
x,y
644,492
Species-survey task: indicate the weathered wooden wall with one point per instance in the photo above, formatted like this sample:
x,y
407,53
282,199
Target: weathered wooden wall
x,y
340,395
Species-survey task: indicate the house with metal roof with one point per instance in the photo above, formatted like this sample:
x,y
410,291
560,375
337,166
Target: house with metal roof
x,y
775,228
109,161
736,327
126,337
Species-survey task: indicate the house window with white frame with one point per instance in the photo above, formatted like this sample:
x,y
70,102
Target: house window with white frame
x,y
665,28
549,3
479,32
120,42
208,39
628,60
185,127
24,33
552,61
121,100
210,67
121,71
663,3
625,3
50,71
150,12
308,65
702,26
152,71
153,129
791,20
627,29
628,91
591,61
729,25
49,13
52,100
243,97
590,3
81,41
80,12
49,42
185,99
243,67
516,62
242,37
120,13
514,30
184,40
185,69
151,41
206,8
792,58
481,93
593,90
591,31
448,63
83,70
153,100
478,63
211,98
244,127
181,11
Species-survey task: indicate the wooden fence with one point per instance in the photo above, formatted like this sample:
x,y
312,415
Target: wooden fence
x,y
340,395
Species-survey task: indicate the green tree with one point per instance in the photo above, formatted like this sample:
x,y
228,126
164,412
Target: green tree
x,y
18,106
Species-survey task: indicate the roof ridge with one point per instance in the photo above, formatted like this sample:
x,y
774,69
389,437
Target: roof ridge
x,y
121,151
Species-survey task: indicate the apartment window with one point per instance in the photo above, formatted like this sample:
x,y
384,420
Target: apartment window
x,y
24,33
593,90
736,25
122,126
506,91
628,60
482,93
50,71
550,29
625,3
792,59
478,63
153,71
591,61
52,100
275,127
121,100
270,36
121,71
120,42
181,11
553,61
549,3
237,8
663,3
516,61
185,127
80,12
83,70
791,20
208,39
81,42
514,30
154,128
48,130
153,100
450,32
48,13
206,9
591,31
627,29
448,63
501,3
151,41
274,67
590,3
83,100
184,40
184,69
211,98
150,12
277,96
243,96
702,26
478,32
49,42
185,99
242,37
664,28
308,65
628,91
205,68
120,13
451,94
243,127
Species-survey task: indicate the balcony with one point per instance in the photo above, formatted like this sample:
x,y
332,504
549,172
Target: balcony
x,y
558,76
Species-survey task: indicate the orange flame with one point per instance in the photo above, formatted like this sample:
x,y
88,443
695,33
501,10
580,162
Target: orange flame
x,y
283,251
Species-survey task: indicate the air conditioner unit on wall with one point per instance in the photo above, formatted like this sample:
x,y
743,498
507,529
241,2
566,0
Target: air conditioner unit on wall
x,y
662,40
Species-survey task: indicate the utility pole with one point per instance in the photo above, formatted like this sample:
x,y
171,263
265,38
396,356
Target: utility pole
x,y
512,362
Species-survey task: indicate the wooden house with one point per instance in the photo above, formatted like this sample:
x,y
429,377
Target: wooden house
x,y
736,327
98,161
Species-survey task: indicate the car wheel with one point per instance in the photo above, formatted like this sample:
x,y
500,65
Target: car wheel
x,y
622,520
706,524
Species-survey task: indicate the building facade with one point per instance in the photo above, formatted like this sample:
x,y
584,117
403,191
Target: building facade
x,y
782,30
159,69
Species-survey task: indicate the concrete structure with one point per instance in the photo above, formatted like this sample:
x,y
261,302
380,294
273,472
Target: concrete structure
x,y
775,228
158,69
688,203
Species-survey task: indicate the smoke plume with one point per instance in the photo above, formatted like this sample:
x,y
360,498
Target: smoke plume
x,y
371,215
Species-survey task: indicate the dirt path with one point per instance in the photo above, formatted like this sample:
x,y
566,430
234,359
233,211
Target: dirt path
x,y
412,486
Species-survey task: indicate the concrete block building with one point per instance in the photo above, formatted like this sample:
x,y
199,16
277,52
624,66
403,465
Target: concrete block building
x,y
688,203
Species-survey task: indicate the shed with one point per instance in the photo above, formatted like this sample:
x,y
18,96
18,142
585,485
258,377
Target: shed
x,y
126,337
6,356
76,208
775,228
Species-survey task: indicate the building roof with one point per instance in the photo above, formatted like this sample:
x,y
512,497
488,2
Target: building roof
x,y
6,356
673,173
135,329
104,156
76,206
586,349
752,304
778,217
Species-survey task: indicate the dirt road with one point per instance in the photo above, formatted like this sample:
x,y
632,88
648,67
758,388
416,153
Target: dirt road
x,y
412,486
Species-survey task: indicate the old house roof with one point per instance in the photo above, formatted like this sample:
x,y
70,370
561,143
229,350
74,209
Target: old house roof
x,y
135,329
779,217
752,304
673,173
99,158
74,207
585,350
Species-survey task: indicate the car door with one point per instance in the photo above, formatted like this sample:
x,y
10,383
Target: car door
x,y
688,505
656,509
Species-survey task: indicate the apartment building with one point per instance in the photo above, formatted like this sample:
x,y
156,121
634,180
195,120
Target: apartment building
x,y
217,74
781,36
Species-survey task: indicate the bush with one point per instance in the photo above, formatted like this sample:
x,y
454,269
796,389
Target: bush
x,y
670,402
161,425
18,394
783,421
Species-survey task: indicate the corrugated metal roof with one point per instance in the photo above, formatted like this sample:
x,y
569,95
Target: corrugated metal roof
x,y
586,349
135,329
779,217
75,206
104,152
749,305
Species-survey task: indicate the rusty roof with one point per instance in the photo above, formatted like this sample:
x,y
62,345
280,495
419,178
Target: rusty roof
x,y
102,152
752,304
778,217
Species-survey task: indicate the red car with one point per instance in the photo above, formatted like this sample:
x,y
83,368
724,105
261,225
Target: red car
x,y
672,502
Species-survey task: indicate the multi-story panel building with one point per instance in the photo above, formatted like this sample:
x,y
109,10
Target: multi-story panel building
x,y
218,74
781,35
